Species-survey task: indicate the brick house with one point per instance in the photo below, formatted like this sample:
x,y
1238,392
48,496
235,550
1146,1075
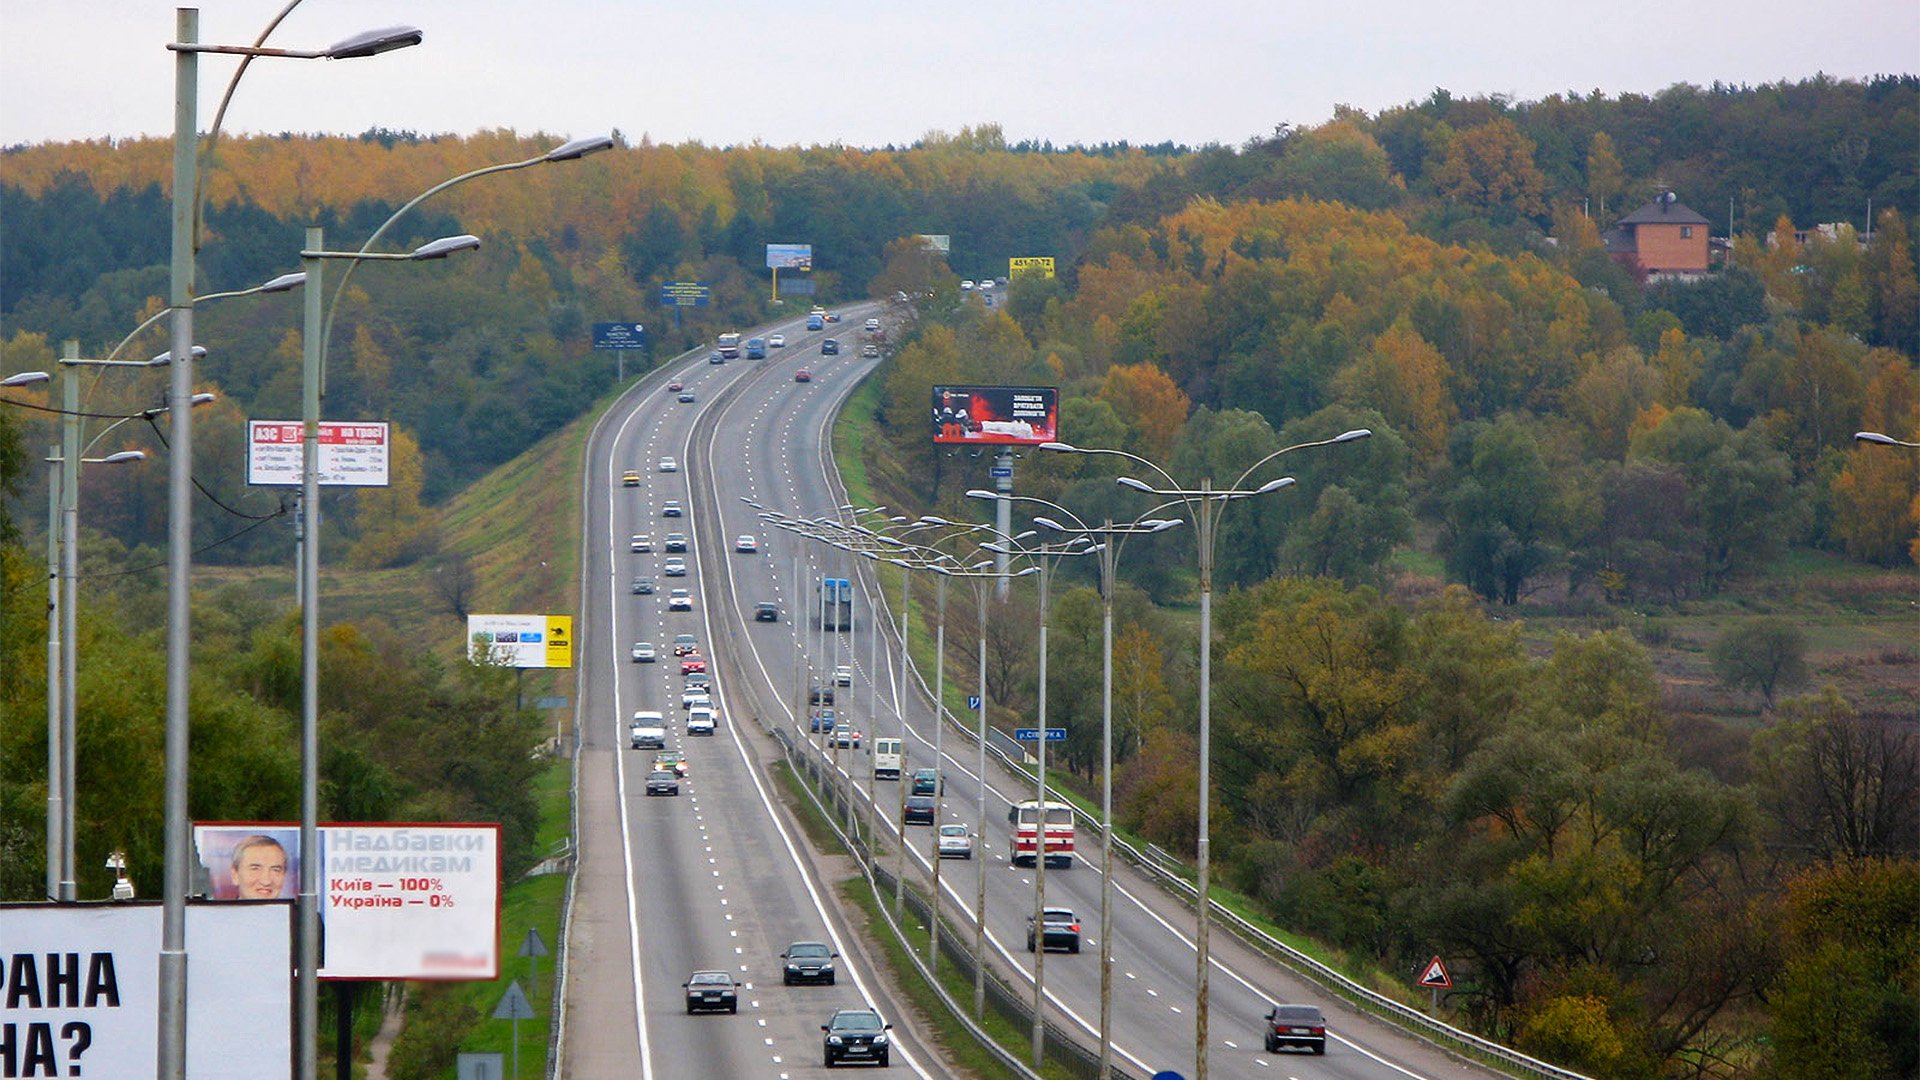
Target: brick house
x,y
1664,238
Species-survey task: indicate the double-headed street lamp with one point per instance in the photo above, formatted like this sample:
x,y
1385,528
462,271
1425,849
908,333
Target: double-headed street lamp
x,y
1204,505
1111,537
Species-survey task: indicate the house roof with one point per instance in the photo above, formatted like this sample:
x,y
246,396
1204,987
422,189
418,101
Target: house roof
x,y
1662,212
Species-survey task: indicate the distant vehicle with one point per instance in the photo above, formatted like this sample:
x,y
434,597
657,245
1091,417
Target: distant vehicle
x,y
807,961
697,679
955,842
676,541
640,542
715,358
873,326
925,782
776,341
846,736
856,1035
756,348
648,731
1060,930
1296,1025
843,676
671,508
667,464
672,761
729,346
746,544
711,990
833,316
692,695
692,664
643,652
630,478
766,611
817,321
820,695
642,586
869,350
830,347
674,567
679,600
686,397
1025,819
887,759
820,720
921,810
701,720
662,782
967,285
803,375
676,386
685,644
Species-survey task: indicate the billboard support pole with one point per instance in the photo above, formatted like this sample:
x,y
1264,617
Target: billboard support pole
x,y
776,283
1002,516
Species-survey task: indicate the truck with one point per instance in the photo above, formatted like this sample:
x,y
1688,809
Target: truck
x,y
756,348
889,758
729,346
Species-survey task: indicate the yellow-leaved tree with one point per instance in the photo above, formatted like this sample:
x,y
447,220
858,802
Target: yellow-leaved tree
x,y
394,527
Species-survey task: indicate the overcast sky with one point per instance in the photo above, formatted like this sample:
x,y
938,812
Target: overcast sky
x,y
878,72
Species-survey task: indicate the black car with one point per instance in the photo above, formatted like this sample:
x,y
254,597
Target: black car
x,y
856,1035
711,990
766,611
820,695
1062,930
830,347
643,586
1296,1025
807,961
662,782
921,810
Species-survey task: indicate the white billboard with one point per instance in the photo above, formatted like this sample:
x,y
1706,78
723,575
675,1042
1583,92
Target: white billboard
x,y
397,900
351,454
80,990
521,641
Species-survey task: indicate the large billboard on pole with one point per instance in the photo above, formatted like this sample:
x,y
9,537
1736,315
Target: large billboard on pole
x,y
521,641
790,256
1013,415
397,900
82,990
351,454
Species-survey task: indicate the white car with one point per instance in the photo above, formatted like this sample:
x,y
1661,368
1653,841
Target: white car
x,y
776,341
967,285
675,567
667,464
955,842
696,697
746,543
643,652
701,721
648,731
679,600
640,542
843,676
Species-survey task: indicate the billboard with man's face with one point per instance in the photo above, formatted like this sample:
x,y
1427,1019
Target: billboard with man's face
x,y
987,415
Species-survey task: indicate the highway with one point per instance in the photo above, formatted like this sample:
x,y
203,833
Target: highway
x,y
715,878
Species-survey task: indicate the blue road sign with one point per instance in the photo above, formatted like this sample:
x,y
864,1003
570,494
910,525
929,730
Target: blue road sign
x,y
685,293
998,471
1032,734
973,702
619,335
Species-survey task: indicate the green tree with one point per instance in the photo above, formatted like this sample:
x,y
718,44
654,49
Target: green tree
x,y
1605,177
1740,494
1762,654
1502,514
1838,785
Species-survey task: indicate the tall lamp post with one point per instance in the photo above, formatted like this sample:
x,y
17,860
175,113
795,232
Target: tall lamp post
x,y
1111,538
1204,505
171,1051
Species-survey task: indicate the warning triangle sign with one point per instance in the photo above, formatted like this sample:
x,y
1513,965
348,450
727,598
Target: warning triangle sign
x,y
1435,974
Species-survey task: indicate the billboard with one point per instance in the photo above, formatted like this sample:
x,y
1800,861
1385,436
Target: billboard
x,y
521,641
686,293
397,901
1018,415
619,335
82,993
1034,264
940,242
790,256
351,454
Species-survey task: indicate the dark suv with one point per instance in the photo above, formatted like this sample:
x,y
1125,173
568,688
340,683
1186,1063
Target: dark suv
x,y
1296,1025
1062,930
856,1035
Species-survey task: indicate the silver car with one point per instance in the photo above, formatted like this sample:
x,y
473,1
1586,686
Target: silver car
x,y
955,842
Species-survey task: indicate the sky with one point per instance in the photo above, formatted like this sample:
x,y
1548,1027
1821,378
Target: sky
x,y
869,73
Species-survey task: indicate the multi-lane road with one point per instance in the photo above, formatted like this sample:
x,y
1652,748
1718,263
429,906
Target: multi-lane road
x,y
717,877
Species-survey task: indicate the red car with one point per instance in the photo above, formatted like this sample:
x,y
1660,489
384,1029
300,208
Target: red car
x,y
676,387
803,375
691,664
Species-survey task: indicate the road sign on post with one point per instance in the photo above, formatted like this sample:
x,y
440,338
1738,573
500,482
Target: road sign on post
x,y
973,702
1032,734
514,1006
620,337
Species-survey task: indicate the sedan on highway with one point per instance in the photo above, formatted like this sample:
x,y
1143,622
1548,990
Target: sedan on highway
x,y
671,508
667,464
1062,930
869,350
745,544
830,347
686,397
777,341
846,736
676,541
711,990
630,478
856,1035
921,810
643,586
692,664
1296,1025
766,611
807,961
955,842
683,644
662,782
679,600
640,542
803,375
820,720
643,652
674,567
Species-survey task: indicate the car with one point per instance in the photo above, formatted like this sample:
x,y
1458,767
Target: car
x,y
648,731
817,321
1061,930
692,664
925,782
833,316
967,285
679,600
711,990
643,652
715,358
630,478
746,544
695,695
676,386
988,297
756,348
642,586
766,611
671,508
807,961
640,542
662,782
843,676
697,680
701,720
676,541
686,397
1296,1025
803,375
683,644
846,736
869,350
672,761
667,464
830,347
921,810
820,695
873,326
820,720
674,567
955,842
776,341
855,1035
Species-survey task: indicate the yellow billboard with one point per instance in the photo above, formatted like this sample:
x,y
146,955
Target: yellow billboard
x,y
1043,264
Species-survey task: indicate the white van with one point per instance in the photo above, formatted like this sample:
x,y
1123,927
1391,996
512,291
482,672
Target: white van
x,y
648,731
888,758
700,720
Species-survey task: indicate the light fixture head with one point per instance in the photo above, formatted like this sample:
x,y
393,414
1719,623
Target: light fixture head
x,y
284,283
1349,436
374,42
1130,482
445,246
1274,485
198,352
25,378
579,148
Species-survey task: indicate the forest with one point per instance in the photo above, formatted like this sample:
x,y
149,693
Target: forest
x,y
1594,668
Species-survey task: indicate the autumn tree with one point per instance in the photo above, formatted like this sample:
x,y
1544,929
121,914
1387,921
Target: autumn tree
x,y
1893,287
1839,786
1151,405
1761,654
394,526
1406,380
1490,166
1605,176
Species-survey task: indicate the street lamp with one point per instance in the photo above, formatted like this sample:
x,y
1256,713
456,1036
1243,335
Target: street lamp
x,y
1113,537
1205,504
1883,440
171,1052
